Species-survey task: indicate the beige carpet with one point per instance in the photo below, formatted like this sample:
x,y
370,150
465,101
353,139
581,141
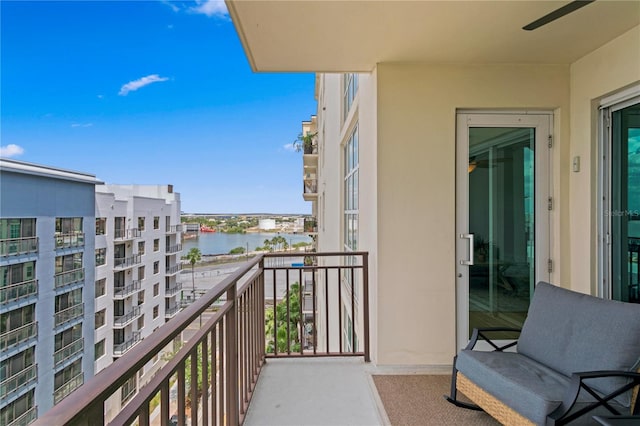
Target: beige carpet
x,y
417,400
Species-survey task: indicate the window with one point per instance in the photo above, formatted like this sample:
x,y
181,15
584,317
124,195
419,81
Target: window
x,y
99,350
156,244
141,247
141,322
156,266
156,289
100,318
67,380
349,91
68,300
101,225
17,318
16,409
67,337
155,311
156,222
100,287
141,297
17,228
128,390
101,256
141,223
141,273
68,225
351,192
68,262
17,274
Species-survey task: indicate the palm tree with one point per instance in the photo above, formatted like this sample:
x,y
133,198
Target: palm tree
x,y
193,256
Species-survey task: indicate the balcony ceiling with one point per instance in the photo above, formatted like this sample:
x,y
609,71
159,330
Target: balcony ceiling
x,y
338,36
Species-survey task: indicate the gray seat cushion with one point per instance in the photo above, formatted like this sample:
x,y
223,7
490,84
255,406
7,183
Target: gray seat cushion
x,y
573,332
521,383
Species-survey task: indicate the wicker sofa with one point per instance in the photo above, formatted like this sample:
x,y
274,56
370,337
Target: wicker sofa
x,y
576,357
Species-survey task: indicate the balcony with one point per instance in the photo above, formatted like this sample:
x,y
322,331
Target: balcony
x,y
310,189
67,352
171,291
120,263
310,225
172,270
229,324
18,246
19,291
174,248
19,335
171,312
63,391
122,292
69,314
70,240
25,419
121,348
310,156
19,380
173,229
69,277
126,319
126,234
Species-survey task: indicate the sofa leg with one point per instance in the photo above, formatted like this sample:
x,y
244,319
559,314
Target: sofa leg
x,y
453,396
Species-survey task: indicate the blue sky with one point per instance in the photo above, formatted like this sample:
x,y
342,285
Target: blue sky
x,y
151,92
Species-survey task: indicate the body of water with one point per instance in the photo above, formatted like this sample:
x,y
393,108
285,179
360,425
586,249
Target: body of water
x,y
221,243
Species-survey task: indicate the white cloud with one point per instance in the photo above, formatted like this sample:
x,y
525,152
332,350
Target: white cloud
x,y
211,8
100,96
291,147
132,86
81,124
171,5
11,150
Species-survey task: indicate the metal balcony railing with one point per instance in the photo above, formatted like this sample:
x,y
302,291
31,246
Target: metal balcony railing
x,y
170,291
69,314
63,391
23,378
126,319
18,291
174,269
25,419
68,351
70,240
229,323
122,292
126,262
126,234
19,335
171,312
16,246
69,277
174,228
174,248
121,348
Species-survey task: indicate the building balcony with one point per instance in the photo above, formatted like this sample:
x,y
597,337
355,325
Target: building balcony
x,y
171,312
121,348
28,376
70,240
69,277
18,336
19,291
122,292
18,246
230,323
172,290
68,352
174,248
310,157
126,234
26,418
174,229
310,225
63,391
310,189
126,319
69,314
172,270
120,263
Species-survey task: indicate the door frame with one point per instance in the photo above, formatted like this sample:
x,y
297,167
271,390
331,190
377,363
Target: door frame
x,y
542,121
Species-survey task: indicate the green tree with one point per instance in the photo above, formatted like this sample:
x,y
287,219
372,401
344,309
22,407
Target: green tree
x,y
293,299
194,256
237,250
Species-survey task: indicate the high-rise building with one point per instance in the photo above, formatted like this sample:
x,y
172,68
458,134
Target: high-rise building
x,y
47,218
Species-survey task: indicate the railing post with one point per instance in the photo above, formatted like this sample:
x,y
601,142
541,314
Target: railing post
x,y
233,413
365,296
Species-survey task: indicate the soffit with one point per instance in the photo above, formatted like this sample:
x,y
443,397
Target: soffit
x,y
336,36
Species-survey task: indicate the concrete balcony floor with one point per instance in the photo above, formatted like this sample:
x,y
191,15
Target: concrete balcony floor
x,y
315,391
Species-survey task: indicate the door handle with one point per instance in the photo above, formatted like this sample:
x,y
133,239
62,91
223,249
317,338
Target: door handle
x,y
470,238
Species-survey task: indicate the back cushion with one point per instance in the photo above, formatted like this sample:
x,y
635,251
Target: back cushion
x,y
574,332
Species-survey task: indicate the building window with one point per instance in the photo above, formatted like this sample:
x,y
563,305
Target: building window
x,y
351,192
68,262
68,225
141,273
99,350
349,91
17,281
156,289
141,297
23,406
128,390
141,223
100,318
156,266
100,287
17,228
156,244
67,380
156,222
140,247
141,323
101,225
155,311
18,318
101,256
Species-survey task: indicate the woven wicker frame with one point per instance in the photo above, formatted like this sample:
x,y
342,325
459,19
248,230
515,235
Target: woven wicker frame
x,y
494,407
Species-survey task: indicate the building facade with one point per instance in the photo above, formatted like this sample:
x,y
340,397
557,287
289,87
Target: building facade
x,y
47,219
137,252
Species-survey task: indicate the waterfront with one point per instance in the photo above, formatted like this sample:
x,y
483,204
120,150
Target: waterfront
x,y
222,243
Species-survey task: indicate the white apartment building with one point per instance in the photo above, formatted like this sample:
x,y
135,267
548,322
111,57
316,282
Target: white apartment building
x,y
46,287
137,253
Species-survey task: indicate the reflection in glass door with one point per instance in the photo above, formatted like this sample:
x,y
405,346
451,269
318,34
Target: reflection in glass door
x,y
499,258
